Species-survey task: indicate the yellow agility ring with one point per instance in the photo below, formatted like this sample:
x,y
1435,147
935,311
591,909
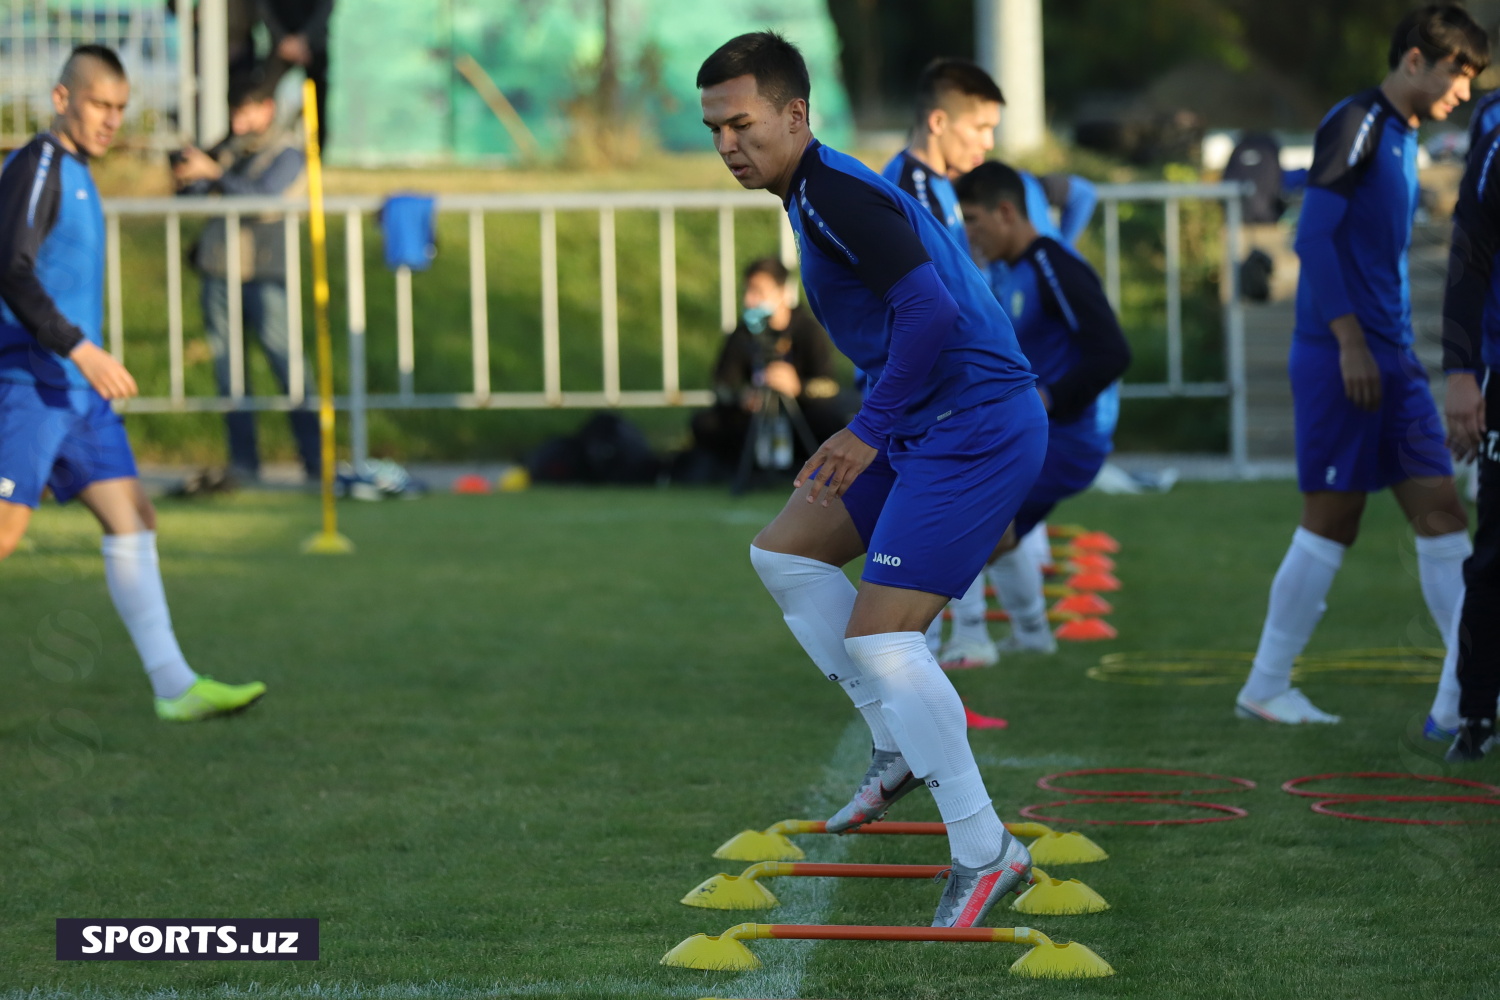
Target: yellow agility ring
x,y
1192,668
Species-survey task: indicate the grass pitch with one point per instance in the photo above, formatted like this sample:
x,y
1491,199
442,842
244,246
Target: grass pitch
x,y
502,740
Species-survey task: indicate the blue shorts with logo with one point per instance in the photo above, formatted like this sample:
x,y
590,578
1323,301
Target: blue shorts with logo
x,y
1074,457
62,438
931,508
1341,447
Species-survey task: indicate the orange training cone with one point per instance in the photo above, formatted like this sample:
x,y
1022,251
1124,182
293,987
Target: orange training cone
x,y
1096,541
471,483
1086,630
1087,605
977,721
1093,582
1093,562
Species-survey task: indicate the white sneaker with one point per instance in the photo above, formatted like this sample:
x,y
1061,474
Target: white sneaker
x,y
965,654
1040,642
1290,706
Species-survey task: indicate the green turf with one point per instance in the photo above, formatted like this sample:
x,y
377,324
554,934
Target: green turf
x,y
503,739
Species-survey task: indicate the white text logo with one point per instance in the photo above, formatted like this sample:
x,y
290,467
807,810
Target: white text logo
x,y
884,560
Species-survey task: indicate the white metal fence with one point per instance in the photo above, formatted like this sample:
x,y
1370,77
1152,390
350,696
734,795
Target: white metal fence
x,y
550,394
37,35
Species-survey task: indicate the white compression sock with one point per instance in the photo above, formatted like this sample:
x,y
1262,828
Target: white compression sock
x,y
1018,584
1440,566
1444,710
968,614
1038,545
1297,603
133,573
927,718
816,600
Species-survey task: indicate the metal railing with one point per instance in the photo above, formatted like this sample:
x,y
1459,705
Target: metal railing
x,y
154,46
550,393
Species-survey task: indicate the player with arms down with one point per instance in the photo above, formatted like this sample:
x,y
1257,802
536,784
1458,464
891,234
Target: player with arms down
x,y
1365,418
925,479
56,425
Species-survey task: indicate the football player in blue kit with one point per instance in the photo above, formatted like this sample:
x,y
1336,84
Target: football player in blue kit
x,y
1365,418
1073,341
56,426
924,480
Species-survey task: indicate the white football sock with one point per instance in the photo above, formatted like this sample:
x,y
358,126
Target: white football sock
x,y
816,600
927,718
1018,585
978,839
1038,545
935,634
1444,710
968,614
1440,567
1298,595
133,573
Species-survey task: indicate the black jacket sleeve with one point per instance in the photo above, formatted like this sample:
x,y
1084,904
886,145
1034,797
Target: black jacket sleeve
x,y
1471,260
30,198
1073,291
1345,145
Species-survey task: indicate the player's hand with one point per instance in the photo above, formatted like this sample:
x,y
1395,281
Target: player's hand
x,y
1464,411
1361,376
104,373
837,464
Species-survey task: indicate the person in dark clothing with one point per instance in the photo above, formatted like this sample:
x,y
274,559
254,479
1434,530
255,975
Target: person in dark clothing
x,y
299,37
777,347
256,158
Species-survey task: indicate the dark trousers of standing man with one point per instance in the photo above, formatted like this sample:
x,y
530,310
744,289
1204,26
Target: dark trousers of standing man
x,y
1479,628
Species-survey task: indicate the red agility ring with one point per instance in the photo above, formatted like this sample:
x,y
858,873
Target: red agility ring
x,y
1234,812
1291,787
1323,807
1239,784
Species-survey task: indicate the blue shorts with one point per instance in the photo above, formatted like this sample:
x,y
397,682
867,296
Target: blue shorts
x,y
1341,447
1074,458
931,509
62,438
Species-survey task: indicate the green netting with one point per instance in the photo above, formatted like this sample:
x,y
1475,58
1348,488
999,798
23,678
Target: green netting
x,y
397,97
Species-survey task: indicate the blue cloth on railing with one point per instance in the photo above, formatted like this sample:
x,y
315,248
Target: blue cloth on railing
x,y
410,240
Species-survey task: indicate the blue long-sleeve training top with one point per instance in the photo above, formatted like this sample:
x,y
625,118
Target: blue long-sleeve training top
x,y
1068,331
1471,304
1355,227
51,263
899,297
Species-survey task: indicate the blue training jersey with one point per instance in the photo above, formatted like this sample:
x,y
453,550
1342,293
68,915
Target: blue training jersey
x,y
1484,119
51,264
931,189
1471,305
864,245
1355,227
1073,197
1065,325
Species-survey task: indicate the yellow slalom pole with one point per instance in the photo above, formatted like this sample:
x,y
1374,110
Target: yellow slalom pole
x,y
328,541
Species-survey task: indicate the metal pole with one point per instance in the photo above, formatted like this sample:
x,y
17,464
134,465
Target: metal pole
x,y
213,63
296,369
670,376
1173,225
551,333
116,304
405,346
187,78
1112,253
354,266
1008,43
727,311
236,296
479,315
1239,417
174,307
609,306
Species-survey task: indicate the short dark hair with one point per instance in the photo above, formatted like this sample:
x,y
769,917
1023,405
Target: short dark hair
x,y
989,184
1440,30
250,88
777,65
102,53
942,78
769,266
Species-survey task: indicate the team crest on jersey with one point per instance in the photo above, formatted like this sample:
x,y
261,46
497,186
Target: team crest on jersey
x,y
1017,303
7,487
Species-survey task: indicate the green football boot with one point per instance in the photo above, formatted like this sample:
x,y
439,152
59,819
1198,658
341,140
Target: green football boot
x,y
208,698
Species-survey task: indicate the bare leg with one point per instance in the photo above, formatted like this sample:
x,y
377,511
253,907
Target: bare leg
x,y
14,520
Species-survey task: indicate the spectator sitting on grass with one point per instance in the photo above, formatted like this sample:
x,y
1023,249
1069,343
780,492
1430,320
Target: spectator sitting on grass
x,y
257,158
